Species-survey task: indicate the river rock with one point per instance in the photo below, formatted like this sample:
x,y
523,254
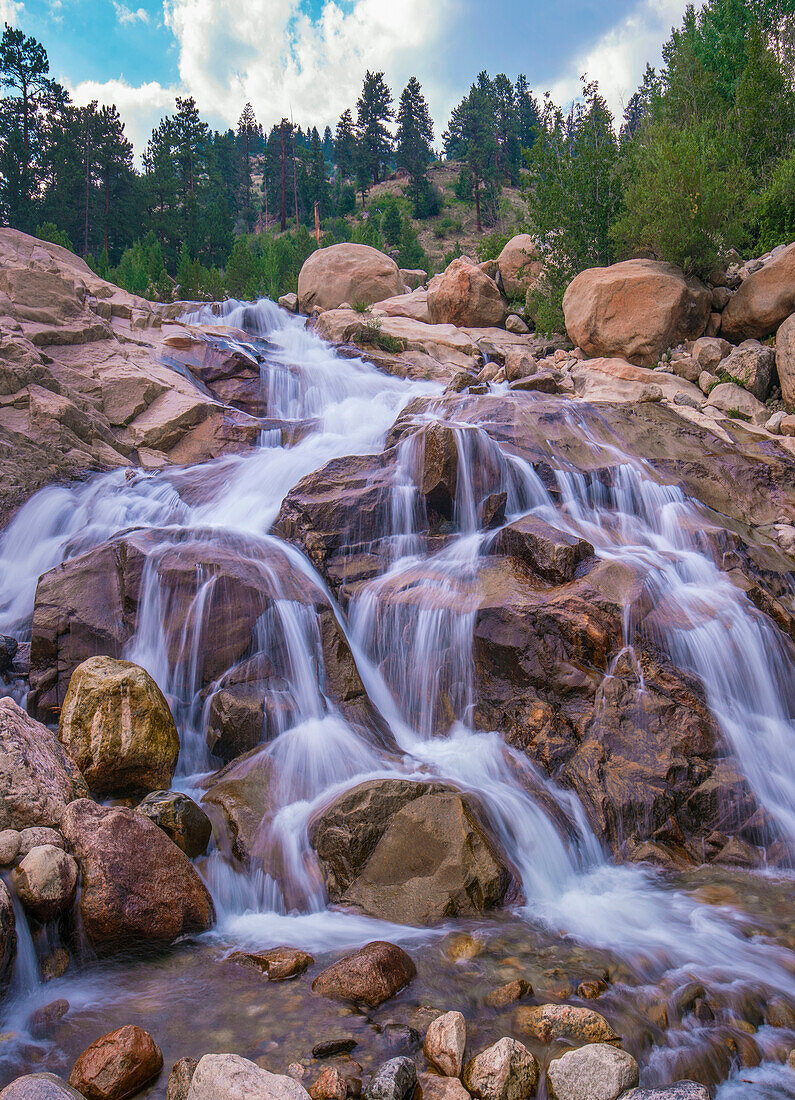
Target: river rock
x,y
8,650
594,1072
37,835
40,1086
504,1071
754,367
433,1087
9,846
138,888
569,1022
8,936
354,273
44,1019
395,1080
445,1042
116,726
37,778
466,297
117,1065
229,1077
370,976
519,265
764,300
680,1090
330,1085
239,803
46,881
180,1078
279,964
636,309
180,818
785,360
508,994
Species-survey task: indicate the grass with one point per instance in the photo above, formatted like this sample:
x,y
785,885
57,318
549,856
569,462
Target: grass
x,y
371,336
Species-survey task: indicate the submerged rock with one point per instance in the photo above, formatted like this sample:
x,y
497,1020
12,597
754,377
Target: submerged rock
x,y
370,976
138,889
504,1071
570,1022
594,1072
116,726
279,964
117,1065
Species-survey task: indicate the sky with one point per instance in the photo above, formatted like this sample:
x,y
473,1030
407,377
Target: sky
x,y
306,58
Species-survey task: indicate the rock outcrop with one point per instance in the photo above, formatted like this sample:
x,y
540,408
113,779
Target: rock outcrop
x,y
636,310
352,273
763,301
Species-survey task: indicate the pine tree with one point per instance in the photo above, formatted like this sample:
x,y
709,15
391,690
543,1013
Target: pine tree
x,y
345,146
163,185
414,152
114,165
318,190
247,131
391,224
528,114
374,108
471,133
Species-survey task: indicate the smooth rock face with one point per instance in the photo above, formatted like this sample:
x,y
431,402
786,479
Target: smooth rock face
x,y
680,1090
395,1080
785,360
764,300
180,818
754,366
520,265
46,881
37,778
40,1086
548,1022
350,273
594,1072
504,1071
445,1042
465,296
116,726
117,1065
370,976
138,889
229,1077
636,310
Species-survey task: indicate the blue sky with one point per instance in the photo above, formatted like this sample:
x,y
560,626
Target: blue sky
x,y
308,56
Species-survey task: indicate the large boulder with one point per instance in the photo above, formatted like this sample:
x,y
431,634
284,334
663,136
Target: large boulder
x,y
519,265
353,273
754,367
635,310
117,1065
138,889
764,300
785,360
504,1071
413,854
230,1077
370,976
239,801
116,726
37,778
465,296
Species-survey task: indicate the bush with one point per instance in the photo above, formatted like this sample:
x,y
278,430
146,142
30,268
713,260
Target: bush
x,y
391,225
682,202
545,301
492,245
50,232
372,336
426,201
775,209
464,184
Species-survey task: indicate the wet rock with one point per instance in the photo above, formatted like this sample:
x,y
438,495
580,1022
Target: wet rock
x,y
508,994
138,888
536,383
229,1077
330,1085
466,297
370,976
46,881
236,721
8,651
9,846
239,802
680,1090
504,1071
590,989
399,1039
180,818
445,1042
116,726
180,1078
579,1025
8,936
44,1019
354,273
395,1080
594,1072
40,1086
780,1013
37,777
636,310
342,1044
55,965
764,300
117,1065
433,1087
279,963
545,550
520,265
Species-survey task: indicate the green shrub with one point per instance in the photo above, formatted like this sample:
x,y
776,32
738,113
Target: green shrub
x,y
775,208
464,184
50,232
492,245
371,336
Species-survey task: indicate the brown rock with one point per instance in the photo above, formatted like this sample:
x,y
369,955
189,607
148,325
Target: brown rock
x,y
764,300
116,726
46,881
330,1085
592,988
710,351
180,1078
239,802
279,963
180,818
785,360
520,265
580,1025
466,297
509,993
370,976
117,1065
347,273
44,1019
636,309
445,1042
434,1087
543,548
504,1071
138,889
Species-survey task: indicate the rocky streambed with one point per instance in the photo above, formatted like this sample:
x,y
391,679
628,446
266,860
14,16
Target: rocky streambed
x,y
497,681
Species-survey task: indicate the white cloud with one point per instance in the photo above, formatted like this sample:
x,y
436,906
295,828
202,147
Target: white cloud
x,y
128,15
618,59
10,12
141,107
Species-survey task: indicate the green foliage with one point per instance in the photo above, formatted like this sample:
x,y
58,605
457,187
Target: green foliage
x,y
374,108
411,254
683,201
371,336
544,305
391,224
464,184
775,207
361,307
50,232
492,245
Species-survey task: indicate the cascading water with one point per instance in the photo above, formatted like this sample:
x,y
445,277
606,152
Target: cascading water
x,y
411,632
